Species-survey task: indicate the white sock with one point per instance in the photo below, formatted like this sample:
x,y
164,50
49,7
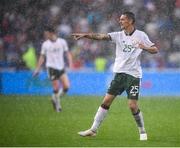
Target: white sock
x,y
53,97
60,92
56,98
140,122
99,117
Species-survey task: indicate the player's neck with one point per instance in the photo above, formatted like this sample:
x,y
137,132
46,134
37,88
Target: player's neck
x,y
129,30
53,38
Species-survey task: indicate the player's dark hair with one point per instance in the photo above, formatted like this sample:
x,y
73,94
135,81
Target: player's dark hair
x,y
130,15
49,28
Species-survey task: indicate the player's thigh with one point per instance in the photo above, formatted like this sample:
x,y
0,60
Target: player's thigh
x,y
53,75
117,85
132,87
65,80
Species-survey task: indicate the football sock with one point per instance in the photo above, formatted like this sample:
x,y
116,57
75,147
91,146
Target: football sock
x,y
139,121
55,97
99,117
62,92
55,94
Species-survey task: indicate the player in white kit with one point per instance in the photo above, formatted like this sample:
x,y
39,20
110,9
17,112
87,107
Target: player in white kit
x,y
130,43
53,50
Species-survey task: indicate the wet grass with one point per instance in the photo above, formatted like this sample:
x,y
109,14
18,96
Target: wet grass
x,y
31,121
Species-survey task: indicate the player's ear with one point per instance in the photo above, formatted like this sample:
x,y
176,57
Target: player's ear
x,y
131,21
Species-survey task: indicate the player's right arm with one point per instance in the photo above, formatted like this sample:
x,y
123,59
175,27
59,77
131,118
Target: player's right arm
x,y
39,64
94,36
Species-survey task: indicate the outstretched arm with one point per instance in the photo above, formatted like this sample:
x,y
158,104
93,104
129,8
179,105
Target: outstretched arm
x,y
40,62
94,36
70,59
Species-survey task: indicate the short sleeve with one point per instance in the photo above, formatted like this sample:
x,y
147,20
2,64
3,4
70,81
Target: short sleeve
x,y
147,41
43,49
114,36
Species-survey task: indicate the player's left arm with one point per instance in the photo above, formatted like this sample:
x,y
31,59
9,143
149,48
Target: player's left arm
x,y
39,64
152,49
70,59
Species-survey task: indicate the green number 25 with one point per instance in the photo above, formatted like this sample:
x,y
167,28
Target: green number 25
x,y
127,48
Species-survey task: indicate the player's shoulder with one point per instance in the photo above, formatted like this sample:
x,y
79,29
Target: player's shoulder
x,y
61,40
45,43
116,32
140,32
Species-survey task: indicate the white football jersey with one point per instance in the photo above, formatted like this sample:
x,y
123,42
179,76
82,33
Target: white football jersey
x,y
128,53
54,53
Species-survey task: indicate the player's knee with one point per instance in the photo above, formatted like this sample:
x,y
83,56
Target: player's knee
x,y
55,89
133,107
108,100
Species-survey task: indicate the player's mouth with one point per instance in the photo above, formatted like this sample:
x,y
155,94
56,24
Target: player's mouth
x,y
122,26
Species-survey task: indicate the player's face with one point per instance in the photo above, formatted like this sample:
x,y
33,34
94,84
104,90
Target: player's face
x,y
47,35
124,22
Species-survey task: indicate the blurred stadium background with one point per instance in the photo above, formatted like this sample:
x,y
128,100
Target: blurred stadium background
x,y
21,23
21,36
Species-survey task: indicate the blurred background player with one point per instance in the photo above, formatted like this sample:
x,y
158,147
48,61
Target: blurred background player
x,y
53,49
130,43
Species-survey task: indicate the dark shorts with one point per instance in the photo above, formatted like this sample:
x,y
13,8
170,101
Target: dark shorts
x,y
54,74
125,82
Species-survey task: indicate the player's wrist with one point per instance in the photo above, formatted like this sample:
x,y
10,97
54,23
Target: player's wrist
x,y
145,48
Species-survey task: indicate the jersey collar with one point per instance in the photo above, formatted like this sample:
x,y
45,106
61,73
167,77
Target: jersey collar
x,y
130,33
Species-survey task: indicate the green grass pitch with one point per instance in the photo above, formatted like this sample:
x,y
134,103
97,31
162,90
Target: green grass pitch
x,y
31,121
